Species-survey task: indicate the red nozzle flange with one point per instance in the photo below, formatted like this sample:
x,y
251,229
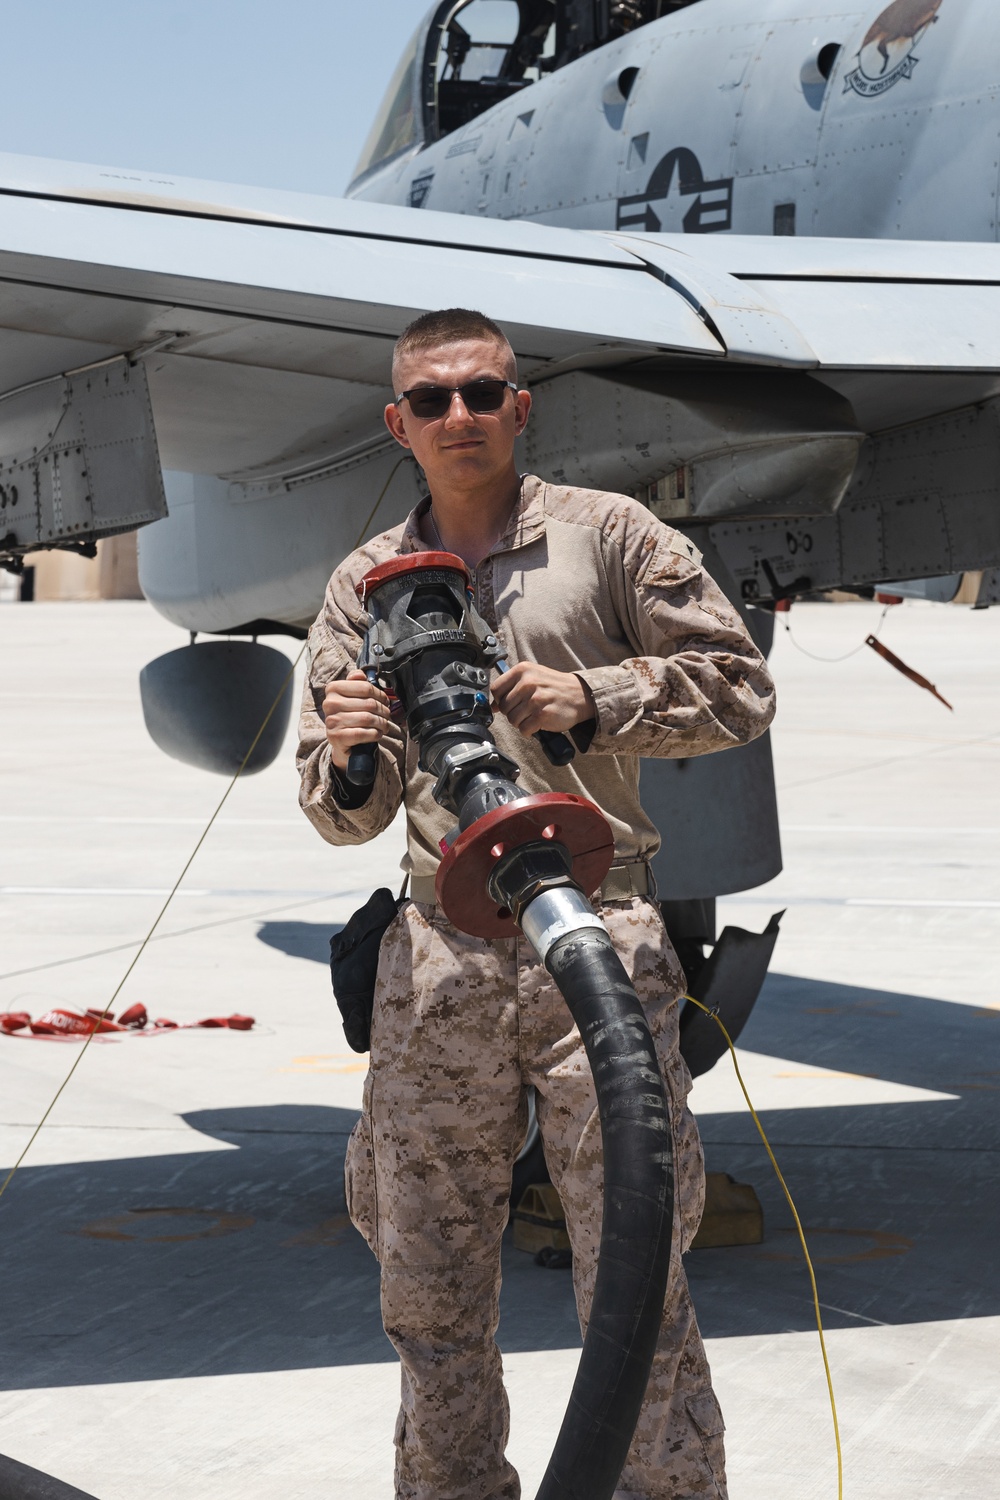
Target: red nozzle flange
x,y
462,880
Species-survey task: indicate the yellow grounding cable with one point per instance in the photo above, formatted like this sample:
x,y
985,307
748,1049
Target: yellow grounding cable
x,y
801,1233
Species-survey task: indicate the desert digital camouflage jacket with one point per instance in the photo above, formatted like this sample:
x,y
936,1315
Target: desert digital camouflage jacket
x,y
584,582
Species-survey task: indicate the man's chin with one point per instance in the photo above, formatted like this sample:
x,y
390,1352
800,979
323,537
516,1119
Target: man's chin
x,y
469,466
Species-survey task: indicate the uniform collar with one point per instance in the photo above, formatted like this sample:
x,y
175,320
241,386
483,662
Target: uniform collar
x,y
526,524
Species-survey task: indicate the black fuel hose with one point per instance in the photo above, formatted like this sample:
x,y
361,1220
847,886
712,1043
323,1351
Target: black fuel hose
x,y
634,1264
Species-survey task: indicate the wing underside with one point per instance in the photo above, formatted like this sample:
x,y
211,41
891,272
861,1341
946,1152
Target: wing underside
x,y
262,324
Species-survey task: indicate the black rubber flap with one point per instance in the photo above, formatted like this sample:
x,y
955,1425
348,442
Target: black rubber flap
x,y
729,982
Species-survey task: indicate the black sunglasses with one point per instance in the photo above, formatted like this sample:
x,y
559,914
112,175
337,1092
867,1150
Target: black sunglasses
x,y
430,401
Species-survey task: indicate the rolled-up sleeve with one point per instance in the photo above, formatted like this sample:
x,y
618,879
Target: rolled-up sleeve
x,y
334,641
697,682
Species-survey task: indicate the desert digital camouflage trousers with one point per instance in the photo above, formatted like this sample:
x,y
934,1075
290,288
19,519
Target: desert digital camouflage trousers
x,y
461,1026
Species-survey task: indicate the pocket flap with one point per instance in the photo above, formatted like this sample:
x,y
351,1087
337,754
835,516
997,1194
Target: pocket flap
x,y
705,1413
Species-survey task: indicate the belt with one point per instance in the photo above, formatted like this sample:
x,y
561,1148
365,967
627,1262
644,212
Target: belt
x,y
621,883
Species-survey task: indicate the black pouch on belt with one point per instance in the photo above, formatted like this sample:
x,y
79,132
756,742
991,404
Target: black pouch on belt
x,y
354,963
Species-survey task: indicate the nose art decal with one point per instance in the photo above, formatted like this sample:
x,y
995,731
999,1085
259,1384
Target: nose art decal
x,y
887,53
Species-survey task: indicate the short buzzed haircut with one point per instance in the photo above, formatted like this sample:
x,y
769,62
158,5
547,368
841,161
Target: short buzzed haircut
x,y
451,325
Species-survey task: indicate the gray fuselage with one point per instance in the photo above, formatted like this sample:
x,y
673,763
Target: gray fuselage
x,y
730,124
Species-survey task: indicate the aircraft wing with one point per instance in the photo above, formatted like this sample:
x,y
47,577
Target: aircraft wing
x,y
263,325
262,322
857,304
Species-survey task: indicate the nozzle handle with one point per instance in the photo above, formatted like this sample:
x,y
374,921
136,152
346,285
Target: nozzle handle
x,y
361,765
559,749
362,762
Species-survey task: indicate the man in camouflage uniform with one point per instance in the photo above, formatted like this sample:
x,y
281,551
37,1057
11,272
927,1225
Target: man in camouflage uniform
x,y
616,635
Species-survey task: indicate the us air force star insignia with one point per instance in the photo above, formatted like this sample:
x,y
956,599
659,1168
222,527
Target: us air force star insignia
x,y
887,53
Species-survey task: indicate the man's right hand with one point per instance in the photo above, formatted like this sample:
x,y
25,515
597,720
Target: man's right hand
x,y
356,713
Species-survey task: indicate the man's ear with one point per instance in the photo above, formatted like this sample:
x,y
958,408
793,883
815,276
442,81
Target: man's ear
x,y
522,406
394,422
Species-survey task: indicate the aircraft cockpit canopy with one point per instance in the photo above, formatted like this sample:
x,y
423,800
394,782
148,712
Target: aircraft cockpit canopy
x,y
395,126
468,55
490,49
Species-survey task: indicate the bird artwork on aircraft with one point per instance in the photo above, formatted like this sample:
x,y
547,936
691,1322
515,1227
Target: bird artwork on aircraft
x,y
894,36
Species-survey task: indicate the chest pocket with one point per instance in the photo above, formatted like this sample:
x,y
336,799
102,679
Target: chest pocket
x,y
561,617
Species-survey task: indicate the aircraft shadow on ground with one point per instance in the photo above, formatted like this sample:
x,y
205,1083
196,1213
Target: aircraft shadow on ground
x,y
243,1259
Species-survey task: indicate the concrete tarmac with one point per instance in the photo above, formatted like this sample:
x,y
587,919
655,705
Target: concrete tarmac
x,y
187,1312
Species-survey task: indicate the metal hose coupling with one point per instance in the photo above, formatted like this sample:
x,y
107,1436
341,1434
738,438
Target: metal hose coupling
x,y
521,863
555,914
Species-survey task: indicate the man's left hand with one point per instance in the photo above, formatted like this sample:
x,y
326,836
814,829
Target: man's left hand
x,y
534,697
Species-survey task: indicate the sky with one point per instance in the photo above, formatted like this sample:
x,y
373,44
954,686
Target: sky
x,y
252,91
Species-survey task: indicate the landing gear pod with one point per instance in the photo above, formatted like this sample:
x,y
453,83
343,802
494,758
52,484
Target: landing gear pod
x,y
525,862
203,704
78,461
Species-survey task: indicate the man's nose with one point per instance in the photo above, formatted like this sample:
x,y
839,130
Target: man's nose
x,y
459,414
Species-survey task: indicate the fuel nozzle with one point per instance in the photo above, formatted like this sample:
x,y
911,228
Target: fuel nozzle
x,y
429,645
428,641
